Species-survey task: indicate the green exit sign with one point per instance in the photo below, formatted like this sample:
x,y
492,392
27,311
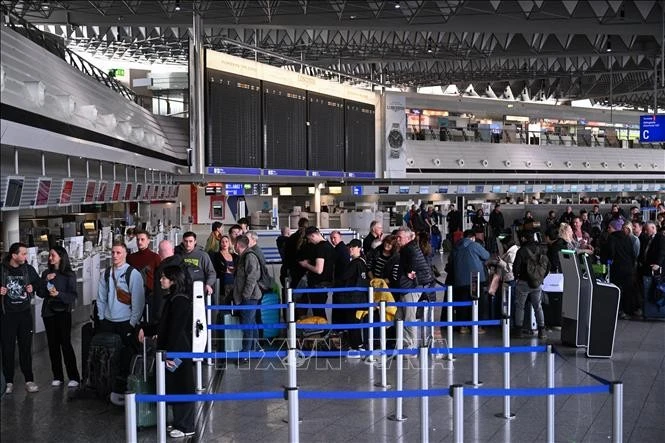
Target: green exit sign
x,y
117,72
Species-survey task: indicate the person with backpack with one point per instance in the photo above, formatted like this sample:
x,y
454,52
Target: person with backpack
x,y
19,282
246,290
530,268
146,261
120,303
60,294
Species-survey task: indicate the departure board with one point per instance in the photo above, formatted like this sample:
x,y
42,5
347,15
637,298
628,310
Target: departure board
x,y
284,117
326,132
233,120
359,133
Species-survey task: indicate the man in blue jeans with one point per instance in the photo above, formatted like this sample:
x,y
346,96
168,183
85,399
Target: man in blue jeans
x,y
246,290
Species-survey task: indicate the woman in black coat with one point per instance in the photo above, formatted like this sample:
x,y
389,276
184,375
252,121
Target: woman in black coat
x,y
175,335
59,295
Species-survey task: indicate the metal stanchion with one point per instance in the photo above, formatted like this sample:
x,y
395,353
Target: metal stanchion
x,y
384,359
474,336
130,417
161,390
289,295
292,387
505,326
399,382
550,398
209,320
199,374
370,331
617,412
424,401
449,319
457,392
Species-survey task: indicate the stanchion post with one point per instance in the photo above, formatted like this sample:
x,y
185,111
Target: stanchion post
x,y
292,387
449,319
130,417
399,381
370,330
289,295
209,320
474,337
384,359
199,374
505,323
424,401
161,390
457,392
550,398
617,412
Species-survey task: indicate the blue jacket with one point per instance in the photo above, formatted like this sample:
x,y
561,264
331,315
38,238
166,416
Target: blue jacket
x,y
468,257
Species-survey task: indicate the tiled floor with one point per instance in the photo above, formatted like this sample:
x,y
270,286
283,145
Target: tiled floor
x,y
57,414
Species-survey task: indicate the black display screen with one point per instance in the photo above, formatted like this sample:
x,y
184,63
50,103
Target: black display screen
x,y
326,132
284,116
233,117
359,134
14,192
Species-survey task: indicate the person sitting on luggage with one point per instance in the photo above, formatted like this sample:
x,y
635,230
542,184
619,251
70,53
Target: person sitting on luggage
x,y
120,302
60,284
175,335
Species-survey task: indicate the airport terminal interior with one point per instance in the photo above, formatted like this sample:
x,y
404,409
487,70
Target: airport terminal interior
x,y
429,145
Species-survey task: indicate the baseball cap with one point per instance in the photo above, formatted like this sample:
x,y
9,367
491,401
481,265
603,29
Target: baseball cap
x,y
355,243
311,230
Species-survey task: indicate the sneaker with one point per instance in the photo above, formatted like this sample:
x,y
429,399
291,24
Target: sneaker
x,y
624,316
177,433
464,330
481,331
56,383
117,399
542,334
352,354
10,388
73,384
31,386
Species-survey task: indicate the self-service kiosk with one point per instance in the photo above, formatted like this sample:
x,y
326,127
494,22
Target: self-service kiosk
x,y
589,308
603,312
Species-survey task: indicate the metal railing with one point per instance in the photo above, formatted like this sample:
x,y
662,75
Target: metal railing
x,y
56,46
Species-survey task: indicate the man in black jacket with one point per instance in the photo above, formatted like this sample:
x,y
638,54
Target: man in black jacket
x,y
527,288
414,273
375,233
619,249
652,258
19,283
496,221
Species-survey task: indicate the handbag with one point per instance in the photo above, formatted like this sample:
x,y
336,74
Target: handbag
x,y
122,296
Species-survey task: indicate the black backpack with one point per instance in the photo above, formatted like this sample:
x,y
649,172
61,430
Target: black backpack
x,y
537,267
127,275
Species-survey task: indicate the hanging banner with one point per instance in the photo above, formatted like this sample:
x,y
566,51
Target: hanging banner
x,y
395,136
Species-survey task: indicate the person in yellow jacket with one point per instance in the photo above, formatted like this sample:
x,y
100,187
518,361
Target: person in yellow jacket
x,y
362,335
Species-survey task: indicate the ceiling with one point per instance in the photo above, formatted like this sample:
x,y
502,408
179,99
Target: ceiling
x,y
601,49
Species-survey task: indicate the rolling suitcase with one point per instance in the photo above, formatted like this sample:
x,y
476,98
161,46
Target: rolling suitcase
x,y
87,332
232,337
103,360
269,316
142,381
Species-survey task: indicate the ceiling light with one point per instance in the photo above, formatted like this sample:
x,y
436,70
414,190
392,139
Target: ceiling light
x,y
608,45
177,5
397,5
353,17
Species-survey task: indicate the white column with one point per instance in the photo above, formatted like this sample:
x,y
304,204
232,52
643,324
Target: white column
x,y
10,231
317,204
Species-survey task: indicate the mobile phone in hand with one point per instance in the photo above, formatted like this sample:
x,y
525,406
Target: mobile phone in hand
x,y
177,363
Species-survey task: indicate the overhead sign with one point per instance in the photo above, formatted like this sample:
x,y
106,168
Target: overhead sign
x,y
652,128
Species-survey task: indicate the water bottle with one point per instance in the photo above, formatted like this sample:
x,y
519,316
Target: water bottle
x,y
49,286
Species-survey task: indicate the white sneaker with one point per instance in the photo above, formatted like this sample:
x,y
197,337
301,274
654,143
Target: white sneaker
x,y
117,399
56,383
31,386
73,384
10,388
177,433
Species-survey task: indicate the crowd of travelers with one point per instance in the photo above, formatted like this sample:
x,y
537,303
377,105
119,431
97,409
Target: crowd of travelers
x,y
147,294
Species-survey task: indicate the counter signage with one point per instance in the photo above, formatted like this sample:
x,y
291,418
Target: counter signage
x,y
66,192
461,189
443,190
383,189
404,189
423,190
652,128
360,174
357,190
326,173
43,190
234,189
238,171
480,188
288,172
496,189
